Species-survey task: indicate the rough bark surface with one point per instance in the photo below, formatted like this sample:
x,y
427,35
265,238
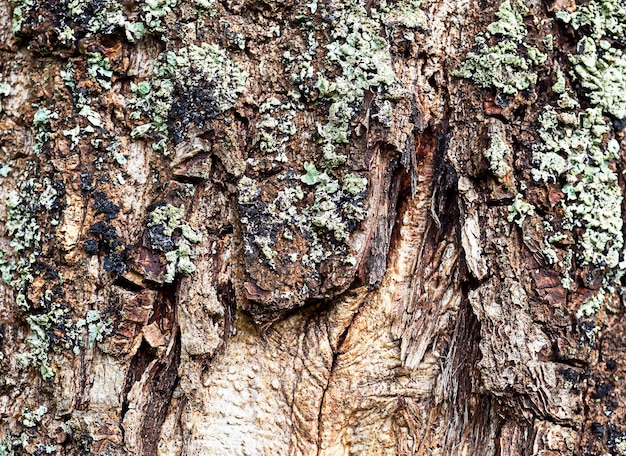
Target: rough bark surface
x,y
218,240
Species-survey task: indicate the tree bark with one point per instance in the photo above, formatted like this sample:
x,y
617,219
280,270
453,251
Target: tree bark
x,y
263,227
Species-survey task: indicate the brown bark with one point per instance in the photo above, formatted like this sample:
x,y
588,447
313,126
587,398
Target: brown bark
x,y
448,334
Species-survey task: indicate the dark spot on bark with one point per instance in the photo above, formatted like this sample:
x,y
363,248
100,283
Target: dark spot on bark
x,y
157,240
115,262
103,206
619,124
50,273
597,430
107,234
86,181
602,390
614,436
195,104
91,246
570,375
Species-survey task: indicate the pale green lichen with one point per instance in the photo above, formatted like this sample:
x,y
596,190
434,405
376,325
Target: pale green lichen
x,y
519,209
605,18
100,69
23,207
276,127
592,305
41,122
9,444
365,62
559,85
248,190
5,91
335,206
206,68
499,155
324,203
354,184
39,342
104,18
208,6
93,16
153,13
164,221
503,66
31,418
405,13
94,327
510,21
97,326
603,76
579,150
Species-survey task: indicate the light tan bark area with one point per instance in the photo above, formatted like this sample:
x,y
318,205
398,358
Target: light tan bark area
x,y
271,228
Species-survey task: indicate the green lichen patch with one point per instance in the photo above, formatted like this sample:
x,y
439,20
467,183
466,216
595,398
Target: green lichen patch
x,y
32,201
503,65
5,91
169,233
73,20
356,60
605,18
207,6
407,14
365,62
100,69
577,150
153,13
55,329
335,207
519,209
41,122
499,154
276,127
31,418
594,198
190,86
601,70
299,222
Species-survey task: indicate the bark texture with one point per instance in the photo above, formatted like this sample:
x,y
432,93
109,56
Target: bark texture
x,y
263,227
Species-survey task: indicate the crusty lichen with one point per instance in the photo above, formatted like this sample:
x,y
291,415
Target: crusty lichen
x,y
365,64
100,69
190,86
276,127
503,65
325,202
603,75
519,209
168,232
73,17
499,155
577,149
31,418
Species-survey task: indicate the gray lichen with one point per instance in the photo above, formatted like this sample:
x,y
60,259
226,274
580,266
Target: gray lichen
x,y
191,85
163,222
499,155
92,16
503,66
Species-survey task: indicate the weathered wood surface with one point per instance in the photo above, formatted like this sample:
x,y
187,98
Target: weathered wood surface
x,y
410,318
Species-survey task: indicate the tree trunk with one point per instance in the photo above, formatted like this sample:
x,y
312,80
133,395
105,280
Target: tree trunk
x,y
264,227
